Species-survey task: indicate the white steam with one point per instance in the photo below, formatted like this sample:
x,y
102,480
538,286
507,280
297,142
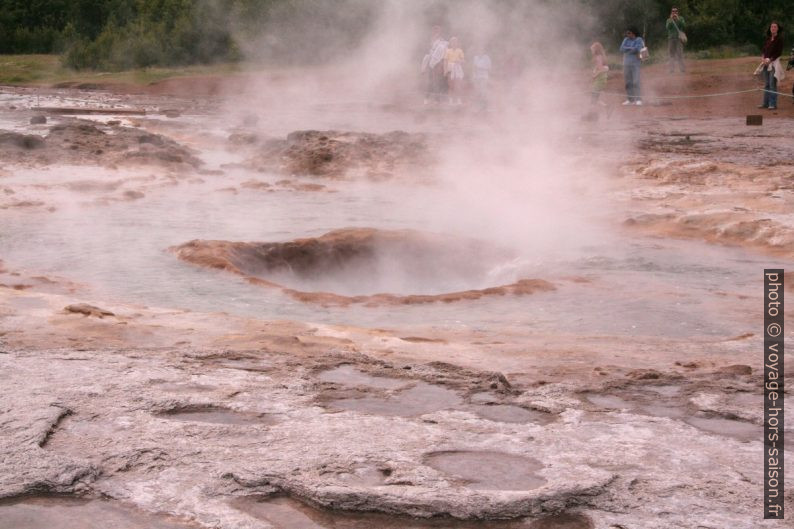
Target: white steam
x,y
519,174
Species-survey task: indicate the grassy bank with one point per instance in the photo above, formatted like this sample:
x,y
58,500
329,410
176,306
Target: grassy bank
x,y
48,70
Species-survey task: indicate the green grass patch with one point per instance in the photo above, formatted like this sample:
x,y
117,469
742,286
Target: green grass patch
x,y
48,70
724,52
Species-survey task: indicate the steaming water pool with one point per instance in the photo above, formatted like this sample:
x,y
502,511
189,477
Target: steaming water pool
x,y
110,230
638,286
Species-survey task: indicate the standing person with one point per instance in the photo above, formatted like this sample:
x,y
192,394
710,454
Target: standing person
x,y
453,69
433,66
772,69
481,76
630,48
600,72
675,45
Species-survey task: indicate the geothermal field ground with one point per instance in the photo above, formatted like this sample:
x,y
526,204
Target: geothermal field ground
x,y
276,301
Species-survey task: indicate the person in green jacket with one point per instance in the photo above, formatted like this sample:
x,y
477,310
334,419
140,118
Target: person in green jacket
x,y
675,47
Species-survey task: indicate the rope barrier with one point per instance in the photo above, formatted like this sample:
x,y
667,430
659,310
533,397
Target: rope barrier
x,y
718,94
778,93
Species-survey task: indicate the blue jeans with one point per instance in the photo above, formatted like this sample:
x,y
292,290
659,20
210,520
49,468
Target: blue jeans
x,y
770,84
631,74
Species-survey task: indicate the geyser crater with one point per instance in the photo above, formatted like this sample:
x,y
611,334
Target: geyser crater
x,y
368,266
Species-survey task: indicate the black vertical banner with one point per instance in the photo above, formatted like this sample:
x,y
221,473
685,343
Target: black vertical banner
x,y
773,394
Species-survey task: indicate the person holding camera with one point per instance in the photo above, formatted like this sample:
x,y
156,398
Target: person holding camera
x,y
675,40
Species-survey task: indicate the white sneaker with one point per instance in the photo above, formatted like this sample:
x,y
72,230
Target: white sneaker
x,y
638,103
626,103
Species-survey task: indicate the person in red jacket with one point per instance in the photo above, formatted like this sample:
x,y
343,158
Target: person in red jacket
x,y
772,50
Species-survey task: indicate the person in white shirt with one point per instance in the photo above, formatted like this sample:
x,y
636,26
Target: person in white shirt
x,y
433,66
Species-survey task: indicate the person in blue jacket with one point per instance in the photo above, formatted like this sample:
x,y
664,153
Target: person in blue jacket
x,y
630,48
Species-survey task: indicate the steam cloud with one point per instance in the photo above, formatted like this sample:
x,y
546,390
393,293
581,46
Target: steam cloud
x,y
521,174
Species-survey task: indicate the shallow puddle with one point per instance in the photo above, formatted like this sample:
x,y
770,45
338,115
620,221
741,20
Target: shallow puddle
x,y
662,410
665,391
418,400
658,407
70,513
489,470
350,376
363,477
610,402
286,513
511,413
215,416
741,431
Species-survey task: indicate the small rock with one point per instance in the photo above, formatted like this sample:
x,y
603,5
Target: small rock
x,y
23,141
644,374
499,381
243,138
38,120
688,365
87,310
133,195
736,369
152,139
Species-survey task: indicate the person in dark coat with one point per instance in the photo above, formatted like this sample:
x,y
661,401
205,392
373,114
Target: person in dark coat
x,y
772,70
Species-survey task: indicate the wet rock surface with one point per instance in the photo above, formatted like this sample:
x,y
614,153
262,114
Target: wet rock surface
x,y
87,143
213,415
64,512
338,154
693,194
285,512
226,422
87,310
204,433
489,470
322,269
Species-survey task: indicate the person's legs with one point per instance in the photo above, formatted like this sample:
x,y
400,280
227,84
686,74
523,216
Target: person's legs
x,y
679,51
773,88
671,52
437,82
633,82
628,77
767,86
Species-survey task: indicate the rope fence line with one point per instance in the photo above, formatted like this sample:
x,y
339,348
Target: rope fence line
x,y
718,94
778,93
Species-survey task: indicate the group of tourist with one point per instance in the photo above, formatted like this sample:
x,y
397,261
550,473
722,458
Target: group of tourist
x,y
635,52
444,65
